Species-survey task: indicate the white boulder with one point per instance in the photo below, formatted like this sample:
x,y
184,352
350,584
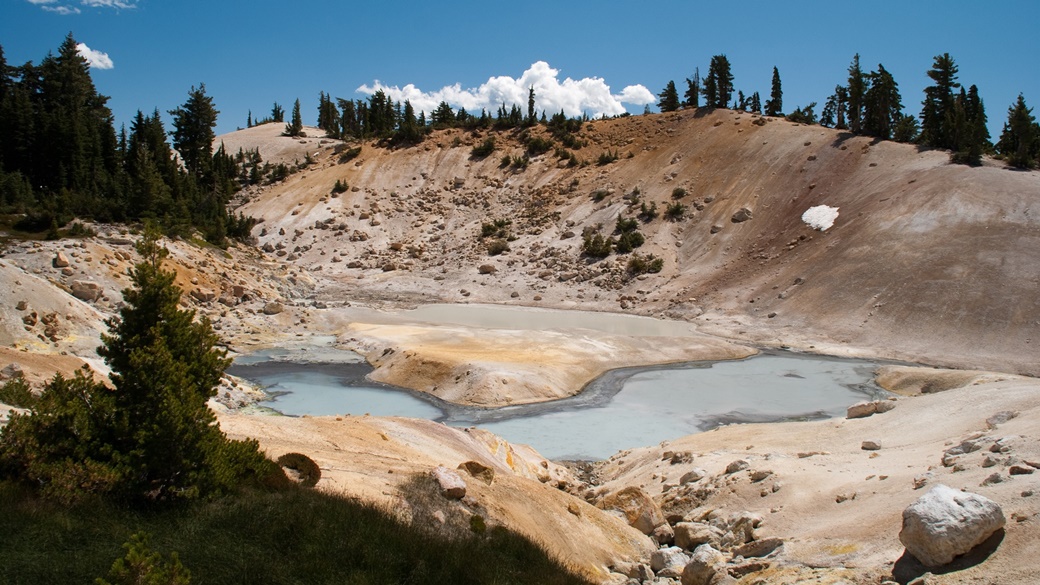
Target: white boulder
x,y
668,562
702,567
945,523
450,483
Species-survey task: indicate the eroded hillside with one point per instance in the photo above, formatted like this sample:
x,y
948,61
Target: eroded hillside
x,y
927,261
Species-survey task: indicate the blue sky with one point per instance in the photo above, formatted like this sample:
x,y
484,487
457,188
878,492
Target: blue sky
x,y
251,54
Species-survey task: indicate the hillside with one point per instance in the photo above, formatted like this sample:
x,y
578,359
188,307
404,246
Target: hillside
x,y
927,262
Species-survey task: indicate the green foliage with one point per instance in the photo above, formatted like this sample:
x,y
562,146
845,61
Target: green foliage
x,y
669,98
675,211
599,195
340,187
349,154
803,115
484,149
498,228
937,111
692,97
626,225
857,95
144,566
295,127
537,145
775,103
304,467
477,524
718,85
640,264
628,241
17,392
259,537
595,245
497,246
883,106
678,193
607,157
193,135
648,213
151,437
1020,140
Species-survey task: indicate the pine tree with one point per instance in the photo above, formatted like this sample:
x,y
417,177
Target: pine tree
x,y
693,90
277,113
295,127
937,112
1020,140
833,114
718,86
756,103
669,98
150,437
531,119
857,95
775,103
193,134
883,106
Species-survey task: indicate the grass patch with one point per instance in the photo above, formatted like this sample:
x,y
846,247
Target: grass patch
x,y
291,536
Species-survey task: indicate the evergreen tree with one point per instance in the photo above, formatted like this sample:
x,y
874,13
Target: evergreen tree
x,y
833,114
249,119
277,113
669,98
692,96
295,127
408,131
775,103
151,437
443,116
1020,140
857,95
883,106
193,134
531,120
718,86
937,112
328,115
756,103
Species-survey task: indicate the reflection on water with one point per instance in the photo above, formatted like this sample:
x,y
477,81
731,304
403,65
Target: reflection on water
x,y
623,409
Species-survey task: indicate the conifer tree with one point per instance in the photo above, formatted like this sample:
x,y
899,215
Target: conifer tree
x,y
692,96
295,127
857,95
937,111
277,113
756,103
531,120
193,134
669,98
718,86
883,106
1020,140
775,103
833,114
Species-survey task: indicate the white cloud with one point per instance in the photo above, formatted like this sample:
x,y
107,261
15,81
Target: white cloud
x,y
64,8
109,3
61,9
574,97
96,59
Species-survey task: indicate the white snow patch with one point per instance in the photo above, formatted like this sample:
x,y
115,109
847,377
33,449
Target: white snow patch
x,y
820,217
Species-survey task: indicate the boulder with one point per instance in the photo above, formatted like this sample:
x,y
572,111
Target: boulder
x,y
690,535
945,523
11,371
449,482
861,410
742,215
273,308
664,534
86,290
669,562
478,471
203,295
60,260
695,474
639,571
638,509
883,406
758,548
871,445
702,567
22,305
738,465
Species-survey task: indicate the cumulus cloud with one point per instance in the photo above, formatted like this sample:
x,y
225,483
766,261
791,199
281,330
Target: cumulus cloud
x,y
96,59
574,97
110,3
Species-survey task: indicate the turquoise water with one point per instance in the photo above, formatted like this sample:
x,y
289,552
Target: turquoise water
x,y
623,409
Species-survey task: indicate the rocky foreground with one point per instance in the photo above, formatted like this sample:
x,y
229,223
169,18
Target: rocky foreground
x,y
926,263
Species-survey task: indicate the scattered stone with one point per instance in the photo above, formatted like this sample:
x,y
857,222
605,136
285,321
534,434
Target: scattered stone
x,y
60,260
760,474
945,523
1000,418
681,457
845,497
12,371
690,535
636,507
703,566
715,229
203,295
871,445
664,534
989,461
742,215
883,406
992,479
758,548
1002,445
738,465
639,571
478,471
668,562
450,483
22,305
1021,470
861,410
273,308
487,269
86,290
695,474
514,295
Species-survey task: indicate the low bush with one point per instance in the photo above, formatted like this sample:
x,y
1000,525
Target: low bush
x,y
484,149
639,264
675,211
17,392
496,247
678,193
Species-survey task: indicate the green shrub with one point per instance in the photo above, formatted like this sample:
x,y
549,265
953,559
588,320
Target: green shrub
x,y
599,195
607,157
484,149
639,264
537,145
678,193
17,392
648,214
144,566
625,225
628,241
496,247
477,524
350,154
307,471
675,211
339,187
595,245
498,228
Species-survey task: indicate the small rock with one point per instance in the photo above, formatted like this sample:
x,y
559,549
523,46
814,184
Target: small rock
x,y
636,507
989,461
639,571
871,445
1000,418
478,471
273,308
861,410
738,465
664,534
487,269
844,497
668,562
715,229
992,479
742,215
703,566
760,474
86,290
450,483
60,260
690,535
695,474
1021,470
22,305
758,548
945,523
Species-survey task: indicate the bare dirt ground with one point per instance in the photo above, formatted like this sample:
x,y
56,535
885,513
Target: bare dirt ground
x,y
927,262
